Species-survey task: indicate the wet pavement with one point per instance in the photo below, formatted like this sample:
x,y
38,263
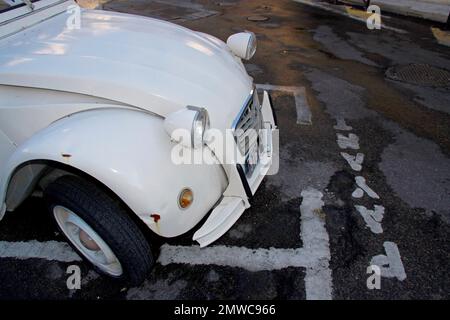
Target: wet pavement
x,y
376,153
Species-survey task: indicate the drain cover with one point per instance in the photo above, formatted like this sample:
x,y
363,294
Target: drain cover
x,y
420,74
257,18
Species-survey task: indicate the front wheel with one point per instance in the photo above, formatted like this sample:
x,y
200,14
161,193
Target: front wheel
x,y
99,229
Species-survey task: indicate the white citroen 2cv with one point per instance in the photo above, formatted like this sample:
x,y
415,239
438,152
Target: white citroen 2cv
x,y
87,115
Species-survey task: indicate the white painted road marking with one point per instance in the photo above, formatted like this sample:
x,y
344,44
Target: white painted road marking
x,y
355,162
239,257
315,240
342,126
348,142
301,104
314,256
49,250
372,218
390,264
363,187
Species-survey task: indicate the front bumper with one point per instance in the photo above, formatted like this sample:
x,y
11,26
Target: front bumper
x,y
234,201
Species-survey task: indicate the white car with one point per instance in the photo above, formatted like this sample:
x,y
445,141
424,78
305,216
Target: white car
x,y
89,103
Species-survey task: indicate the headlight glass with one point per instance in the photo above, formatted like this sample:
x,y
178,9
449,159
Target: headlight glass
x,y
188,126
251,47
243,44
199,126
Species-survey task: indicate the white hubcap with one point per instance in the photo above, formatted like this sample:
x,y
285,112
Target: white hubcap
x,y
87,241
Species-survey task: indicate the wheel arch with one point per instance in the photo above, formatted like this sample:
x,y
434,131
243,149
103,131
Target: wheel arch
x,y
30,176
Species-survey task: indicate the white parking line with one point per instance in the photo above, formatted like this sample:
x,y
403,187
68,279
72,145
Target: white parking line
x,y
301,103
315,240
49,250
239,257
314,256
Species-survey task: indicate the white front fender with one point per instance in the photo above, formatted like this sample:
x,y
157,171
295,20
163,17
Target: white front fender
x,y
130,153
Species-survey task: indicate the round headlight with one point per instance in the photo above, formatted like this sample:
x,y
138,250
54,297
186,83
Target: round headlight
x,y
199,126
188,126
243,44
251,47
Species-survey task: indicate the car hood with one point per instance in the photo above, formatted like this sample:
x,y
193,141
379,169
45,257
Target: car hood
x,y
138,61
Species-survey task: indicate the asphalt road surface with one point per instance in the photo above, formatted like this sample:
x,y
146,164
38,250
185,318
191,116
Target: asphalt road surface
x,y
364,172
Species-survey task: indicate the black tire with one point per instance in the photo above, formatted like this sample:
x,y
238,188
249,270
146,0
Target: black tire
x,y
109,220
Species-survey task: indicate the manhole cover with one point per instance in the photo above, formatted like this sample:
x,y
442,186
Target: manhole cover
x,y
257,18
420,74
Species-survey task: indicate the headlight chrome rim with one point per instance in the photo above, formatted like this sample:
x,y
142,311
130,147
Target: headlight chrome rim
x,y
200,125
251,46
188,126
243,44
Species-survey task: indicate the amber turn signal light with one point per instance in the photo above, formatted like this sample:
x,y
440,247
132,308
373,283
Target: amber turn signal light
x,y
186,198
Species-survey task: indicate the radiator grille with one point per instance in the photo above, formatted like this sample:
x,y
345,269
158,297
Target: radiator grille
x,y
247,132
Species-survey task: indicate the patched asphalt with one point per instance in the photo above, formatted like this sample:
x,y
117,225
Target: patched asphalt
x,y
403,131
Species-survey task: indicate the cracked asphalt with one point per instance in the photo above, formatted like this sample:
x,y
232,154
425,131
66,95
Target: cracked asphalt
x,y
403,131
